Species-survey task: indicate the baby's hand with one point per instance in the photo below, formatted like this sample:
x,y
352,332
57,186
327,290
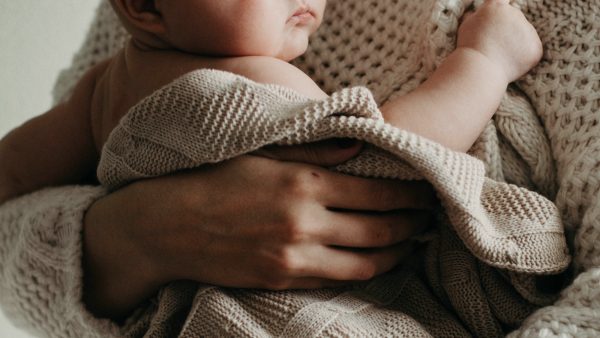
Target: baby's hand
x,y
503,34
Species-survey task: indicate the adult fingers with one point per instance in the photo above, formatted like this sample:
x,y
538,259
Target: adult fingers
x,y
324,153
338,191
371,230
354,265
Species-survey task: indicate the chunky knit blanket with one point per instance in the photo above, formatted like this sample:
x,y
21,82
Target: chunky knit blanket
x,y
544,138
210,116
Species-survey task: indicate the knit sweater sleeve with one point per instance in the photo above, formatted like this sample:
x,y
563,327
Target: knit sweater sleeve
x,y
40,263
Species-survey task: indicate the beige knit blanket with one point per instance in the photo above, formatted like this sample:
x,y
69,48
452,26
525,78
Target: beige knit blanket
x,y
545,137
492,236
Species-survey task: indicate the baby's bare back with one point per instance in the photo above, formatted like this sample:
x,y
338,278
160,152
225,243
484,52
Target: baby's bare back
x,y
63,145
134,74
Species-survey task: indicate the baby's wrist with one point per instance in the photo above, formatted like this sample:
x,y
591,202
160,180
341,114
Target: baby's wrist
x,y
494,68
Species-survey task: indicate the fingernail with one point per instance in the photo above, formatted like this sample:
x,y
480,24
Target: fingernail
x,y
346,143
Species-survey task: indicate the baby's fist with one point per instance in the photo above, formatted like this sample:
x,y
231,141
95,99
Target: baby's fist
x,y
503,34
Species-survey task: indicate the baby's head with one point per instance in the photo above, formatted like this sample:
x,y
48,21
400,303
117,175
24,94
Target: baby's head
x,y
278,28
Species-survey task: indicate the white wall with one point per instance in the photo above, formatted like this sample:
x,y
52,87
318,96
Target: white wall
x,y
37,39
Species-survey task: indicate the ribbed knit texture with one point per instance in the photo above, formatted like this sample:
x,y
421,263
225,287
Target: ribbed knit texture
x,y
41,276
544,137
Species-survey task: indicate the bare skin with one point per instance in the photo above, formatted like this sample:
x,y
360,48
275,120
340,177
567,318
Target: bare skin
x,y
496,45
289,226
293,228
62,146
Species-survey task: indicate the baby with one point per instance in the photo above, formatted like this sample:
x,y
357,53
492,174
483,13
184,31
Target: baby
x,y
255,39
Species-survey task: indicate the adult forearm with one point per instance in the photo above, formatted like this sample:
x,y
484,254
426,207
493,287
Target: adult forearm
x,y
117,277
9,162
453,106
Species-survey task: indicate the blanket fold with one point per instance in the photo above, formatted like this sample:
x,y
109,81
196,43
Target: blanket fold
x,y
209,116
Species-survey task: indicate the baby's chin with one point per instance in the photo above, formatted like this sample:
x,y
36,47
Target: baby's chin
x,y
293,51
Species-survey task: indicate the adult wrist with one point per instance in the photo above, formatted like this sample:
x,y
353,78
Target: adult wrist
x,y
116,277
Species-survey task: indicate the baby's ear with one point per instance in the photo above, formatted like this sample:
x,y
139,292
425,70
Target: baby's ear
x,y
143,14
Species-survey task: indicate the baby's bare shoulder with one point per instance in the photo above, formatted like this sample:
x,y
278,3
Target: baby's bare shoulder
x,y
270,70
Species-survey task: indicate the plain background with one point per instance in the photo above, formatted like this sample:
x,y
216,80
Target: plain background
x,y
37,39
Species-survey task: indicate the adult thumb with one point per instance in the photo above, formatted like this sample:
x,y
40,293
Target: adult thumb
x,y
323,153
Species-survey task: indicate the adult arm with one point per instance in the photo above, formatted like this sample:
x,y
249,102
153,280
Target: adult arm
x,y
59,276
251,222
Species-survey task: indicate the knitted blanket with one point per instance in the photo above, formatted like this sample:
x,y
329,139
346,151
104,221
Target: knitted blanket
x,y
544,137
210,116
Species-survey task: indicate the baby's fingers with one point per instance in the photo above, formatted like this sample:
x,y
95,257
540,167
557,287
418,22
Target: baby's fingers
x,y
469,6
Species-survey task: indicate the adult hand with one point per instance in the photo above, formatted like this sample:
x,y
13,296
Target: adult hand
x,y
251,222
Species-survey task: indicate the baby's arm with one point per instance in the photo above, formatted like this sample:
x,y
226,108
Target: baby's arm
x,y
55,148
453,106
496,45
